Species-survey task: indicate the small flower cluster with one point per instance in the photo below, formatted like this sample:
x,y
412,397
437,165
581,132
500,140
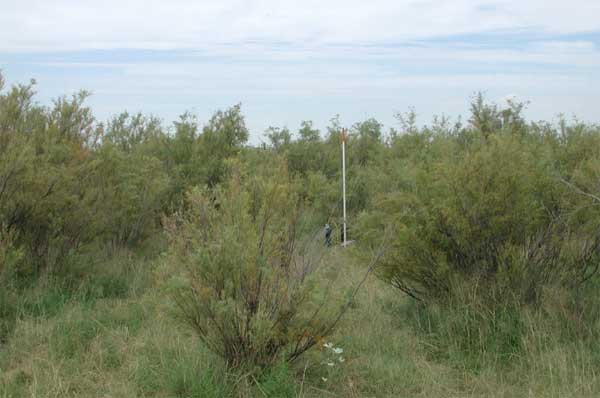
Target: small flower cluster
x,y
335,357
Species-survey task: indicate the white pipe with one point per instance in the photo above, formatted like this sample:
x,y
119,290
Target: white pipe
x,y
344,182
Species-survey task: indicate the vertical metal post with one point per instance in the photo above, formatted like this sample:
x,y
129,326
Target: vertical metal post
x,y
344,182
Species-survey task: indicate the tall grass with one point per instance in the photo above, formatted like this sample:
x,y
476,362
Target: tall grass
x,y
125,345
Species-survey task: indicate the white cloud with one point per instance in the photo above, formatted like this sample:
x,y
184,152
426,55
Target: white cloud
x,y
42,25
291,60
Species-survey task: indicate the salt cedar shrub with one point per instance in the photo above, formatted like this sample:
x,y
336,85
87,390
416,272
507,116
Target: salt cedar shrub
x,y
249,277
502,204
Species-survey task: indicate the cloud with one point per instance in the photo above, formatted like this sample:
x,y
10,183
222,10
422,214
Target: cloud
x,y
291,60
67,25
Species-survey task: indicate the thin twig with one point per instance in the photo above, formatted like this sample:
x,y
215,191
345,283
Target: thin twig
x,y
579,190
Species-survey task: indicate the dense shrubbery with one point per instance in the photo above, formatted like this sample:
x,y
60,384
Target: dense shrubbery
x,y
250,271
494,206
67,181
73,191
493,225
496,232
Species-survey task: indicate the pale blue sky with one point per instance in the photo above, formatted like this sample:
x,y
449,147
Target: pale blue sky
x,y
310,60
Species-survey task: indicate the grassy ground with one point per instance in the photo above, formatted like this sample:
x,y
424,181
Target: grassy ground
x,y
107,341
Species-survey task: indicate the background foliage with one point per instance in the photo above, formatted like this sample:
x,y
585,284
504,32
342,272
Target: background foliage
x,y
488,282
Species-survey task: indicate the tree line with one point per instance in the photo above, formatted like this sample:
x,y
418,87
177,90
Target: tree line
x,y
498,206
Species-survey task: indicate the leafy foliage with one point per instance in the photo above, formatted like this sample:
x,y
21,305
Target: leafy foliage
x,y
491,221
249,277
489,208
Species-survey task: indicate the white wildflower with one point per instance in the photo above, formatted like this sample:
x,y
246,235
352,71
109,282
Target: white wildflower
x,y
324,379
328,345
341,359
337,350
330,364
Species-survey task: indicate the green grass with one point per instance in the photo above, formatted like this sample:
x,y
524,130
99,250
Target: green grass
x,y
123,342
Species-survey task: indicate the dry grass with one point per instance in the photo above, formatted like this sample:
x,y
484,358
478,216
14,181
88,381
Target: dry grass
x,y
128,347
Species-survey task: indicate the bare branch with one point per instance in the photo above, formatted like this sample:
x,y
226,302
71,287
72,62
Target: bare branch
x,y
580,191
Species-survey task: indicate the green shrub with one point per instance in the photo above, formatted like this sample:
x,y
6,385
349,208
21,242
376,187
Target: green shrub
x,y
249,289
495,215
62,190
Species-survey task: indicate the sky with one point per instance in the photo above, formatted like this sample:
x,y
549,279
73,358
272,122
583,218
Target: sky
x,y
288,61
